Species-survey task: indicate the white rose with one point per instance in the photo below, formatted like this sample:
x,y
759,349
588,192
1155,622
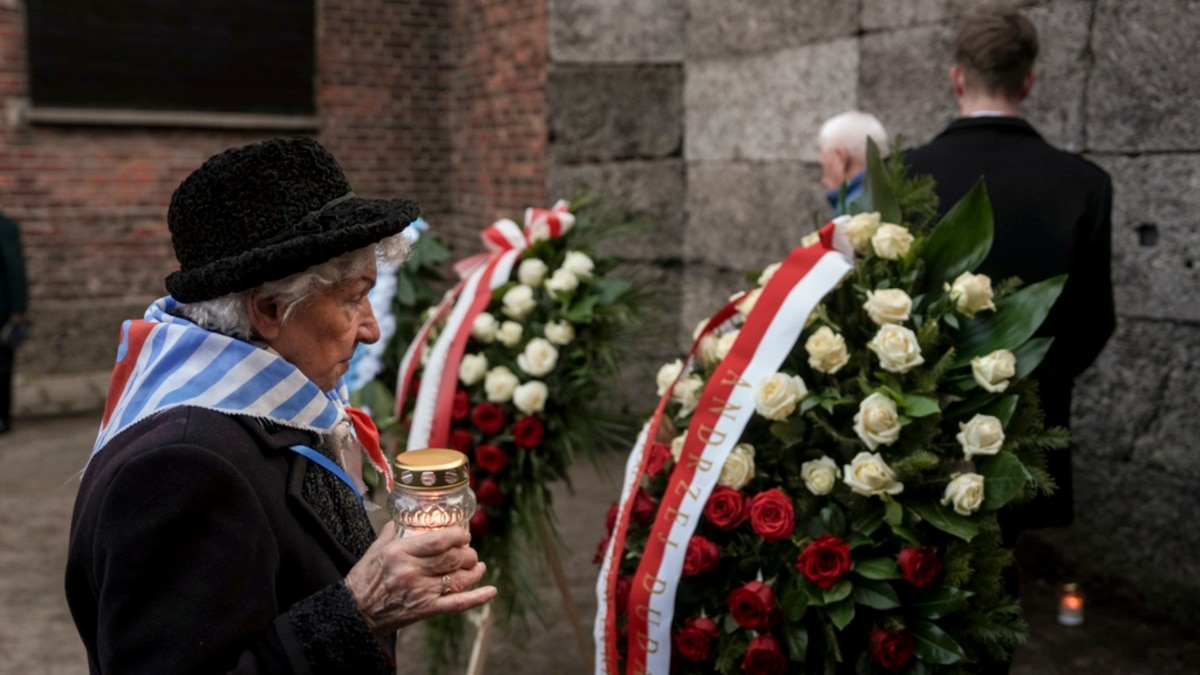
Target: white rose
x,y
531,272
738,468
539,357
518,302
677,445
897,348
562,281
820,475
472,368
810,239
890,305
499,384
993,371
767,274
707,350
982,435
483,328
869,475
860,229
510,333
876,421
965,491
530,397
687,392
747,303
891,242
560,332
826,350
776,396
971,293
579,264
725,343
667,375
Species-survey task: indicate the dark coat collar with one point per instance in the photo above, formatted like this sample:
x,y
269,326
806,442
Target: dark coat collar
x,y
1012,125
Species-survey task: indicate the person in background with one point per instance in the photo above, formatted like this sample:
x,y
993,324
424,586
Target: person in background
x,y
14,321
1052,214
220,525
842,152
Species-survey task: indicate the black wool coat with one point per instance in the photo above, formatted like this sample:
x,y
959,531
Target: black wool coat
x,y
201,544
1052,214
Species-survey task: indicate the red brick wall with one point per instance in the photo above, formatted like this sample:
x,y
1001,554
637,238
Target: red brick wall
x,y
498,112
434,101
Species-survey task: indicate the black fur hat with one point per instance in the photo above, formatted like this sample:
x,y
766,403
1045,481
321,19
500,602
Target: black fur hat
x,y
265,211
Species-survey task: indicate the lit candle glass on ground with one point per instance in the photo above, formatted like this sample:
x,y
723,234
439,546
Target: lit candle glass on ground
x,y
1070,605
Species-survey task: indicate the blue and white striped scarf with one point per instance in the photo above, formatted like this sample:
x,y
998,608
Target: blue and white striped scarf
x,y
165,361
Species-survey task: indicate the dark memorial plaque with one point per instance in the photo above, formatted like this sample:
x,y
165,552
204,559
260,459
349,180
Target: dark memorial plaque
x,y
220,56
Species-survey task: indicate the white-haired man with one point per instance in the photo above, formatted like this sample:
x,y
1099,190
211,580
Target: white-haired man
x,y
842,151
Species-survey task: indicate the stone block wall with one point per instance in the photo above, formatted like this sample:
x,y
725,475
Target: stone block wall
x,y
758,78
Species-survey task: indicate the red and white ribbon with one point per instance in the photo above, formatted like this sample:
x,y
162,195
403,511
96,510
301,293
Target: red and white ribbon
x,y
481,274
725,407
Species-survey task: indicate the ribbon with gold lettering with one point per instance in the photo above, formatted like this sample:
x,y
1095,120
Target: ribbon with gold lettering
x,y
725,407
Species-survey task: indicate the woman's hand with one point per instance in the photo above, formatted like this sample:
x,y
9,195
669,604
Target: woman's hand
x,y
400,581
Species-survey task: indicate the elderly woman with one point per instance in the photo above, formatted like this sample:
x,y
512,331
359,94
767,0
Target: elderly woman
x,y
220,525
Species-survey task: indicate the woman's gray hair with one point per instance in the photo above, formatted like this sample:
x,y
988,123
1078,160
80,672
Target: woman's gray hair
x,y
230,314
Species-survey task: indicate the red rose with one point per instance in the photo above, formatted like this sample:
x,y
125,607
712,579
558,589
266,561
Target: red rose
x,y
462,440
489,418
601,549
660,454
695,640
919,565
771,515
726,508
701,556
462,405
891,649
764,657
624,584
825,560
489,493
610,520
753,606
480,527
490,458
644,509
527,432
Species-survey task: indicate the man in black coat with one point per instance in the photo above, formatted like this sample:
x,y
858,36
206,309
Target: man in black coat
x,y
1052,215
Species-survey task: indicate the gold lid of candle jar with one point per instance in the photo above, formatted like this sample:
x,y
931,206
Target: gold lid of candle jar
x,y
432,469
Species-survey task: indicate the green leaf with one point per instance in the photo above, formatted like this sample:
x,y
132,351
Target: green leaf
x,y
1016,318
797,642
880,194
609,290
1004,477
581,311
877,568
920,406
837,592
794,602
945,519
834,519
406,290
941,602
841,613
1003,409
893,513
960,241
933,645
876,594
1030,355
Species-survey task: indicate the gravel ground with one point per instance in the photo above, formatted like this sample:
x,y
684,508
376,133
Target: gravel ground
x,y
40,458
